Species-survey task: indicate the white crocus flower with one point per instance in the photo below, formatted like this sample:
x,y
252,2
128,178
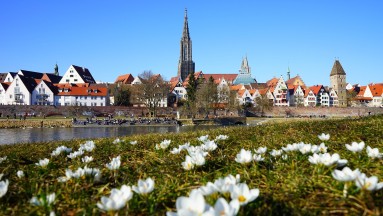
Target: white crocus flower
x,y
222,208
75,154
3,187
244,157
223,184
289,148
327,159
221,137
324,137
276,153
60,149
198,158
133,142
322,148
43,163
355,147
116,141
87,159
193,205
373,152
163,145
20,174
210,146
114,164
208,189
346,174
368,183
188,163
258,158
43,201
305,148
261,150
285,157
87,146
176,150
242,193
117,199
203,138
144,186
2,159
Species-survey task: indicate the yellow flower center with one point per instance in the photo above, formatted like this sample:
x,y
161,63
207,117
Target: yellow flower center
x,y
241,199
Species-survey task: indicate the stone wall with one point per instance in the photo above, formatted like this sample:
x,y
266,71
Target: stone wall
x,y
69,111
323,111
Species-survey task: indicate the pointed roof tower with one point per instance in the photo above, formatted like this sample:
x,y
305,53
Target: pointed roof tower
x,y
185,63
185,33
337,69
245,69
56,70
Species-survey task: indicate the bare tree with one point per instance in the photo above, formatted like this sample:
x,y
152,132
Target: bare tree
x,y
152,92
207,96
263,104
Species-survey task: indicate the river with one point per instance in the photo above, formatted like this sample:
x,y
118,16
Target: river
x,y
32,135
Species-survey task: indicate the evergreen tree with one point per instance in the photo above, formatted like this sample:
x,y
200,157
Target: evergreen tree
x,y
122,97
191,88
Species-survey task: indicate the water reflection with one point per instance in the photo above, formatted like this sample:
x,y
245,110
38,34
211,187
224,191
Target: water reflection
x,y
31,135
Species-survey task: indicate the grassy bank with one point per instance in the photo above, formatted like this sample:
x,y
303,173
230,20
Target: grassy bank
x,y
289,185
35,123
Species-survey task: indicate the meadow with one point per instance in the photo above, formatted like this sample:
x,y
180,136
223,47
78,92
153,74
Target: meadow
x,y
292,168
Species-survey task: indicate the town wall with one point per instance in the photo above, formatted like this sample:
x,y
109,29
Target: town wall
x,y
70,111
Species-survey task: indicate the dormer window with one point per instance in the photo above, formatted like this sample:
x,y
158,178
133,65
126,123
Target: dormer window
x,y
95,91
89,90
66,90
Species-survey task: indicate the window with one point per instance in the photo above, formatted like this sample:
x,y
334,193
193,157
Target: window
x,y
71,75
17,82
67,80
75,80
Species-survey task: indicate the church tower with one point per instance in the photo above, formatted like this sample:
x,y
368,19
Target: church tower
x,y
185,64
56,70
338,83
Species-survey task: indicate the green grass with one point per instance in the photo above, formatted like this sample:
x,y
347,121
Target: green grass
x,y
287,187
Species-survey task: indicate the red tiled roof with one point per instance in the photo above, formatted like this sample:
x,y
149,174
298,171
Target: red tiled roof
x,y
316,89
125,79
82,90
361,91
219,77
196,76
272,82
263,91
236,87
297,80
376,90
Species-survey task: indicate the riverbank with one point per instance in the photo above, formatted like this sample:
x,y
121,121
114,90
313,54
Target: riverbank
x,y
35,123
289,184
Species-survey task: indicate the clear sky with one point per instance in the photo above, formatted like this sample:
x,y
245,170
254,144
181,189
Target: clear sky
x,y
112,38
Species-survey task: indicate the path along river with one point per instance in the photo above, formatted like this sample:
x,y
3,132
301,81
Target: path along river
x,y
32,135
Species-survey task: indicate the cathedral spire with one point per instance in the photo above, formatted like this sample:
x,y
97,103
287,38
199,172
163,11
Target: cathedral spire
x,y
185,63
185,33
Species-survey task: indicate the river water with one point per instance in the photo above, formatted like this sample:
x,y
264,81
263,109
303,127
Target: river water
x,y
31,135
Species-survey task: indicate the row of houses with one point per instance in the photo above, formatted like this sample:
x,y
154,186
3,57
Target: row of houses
x,y
76,87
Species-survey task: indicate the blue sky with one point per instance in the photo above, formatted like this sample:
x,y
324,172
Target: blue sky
x,y
112,38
